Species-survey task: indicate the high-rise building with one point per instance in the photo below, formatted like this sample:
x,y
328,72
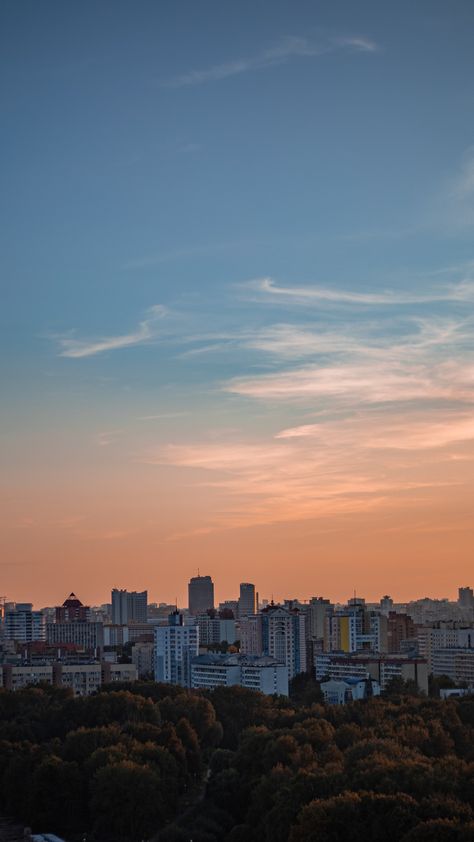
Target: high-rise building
x,y
201,595
466,597
278,632
22,624
400,628
318,609
175,645
72,611
129,607
247,599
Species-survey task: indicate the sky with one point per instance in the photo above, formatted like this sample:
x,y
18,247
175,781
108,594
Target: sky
x,y
237,286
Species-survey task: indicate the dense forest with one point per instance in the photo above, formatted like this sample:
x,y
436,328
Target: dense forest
x,y
156,762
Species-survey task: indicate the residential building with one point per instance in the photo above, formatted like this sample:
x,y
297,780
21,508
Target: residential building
x,y
175,645
400,627
89,636
143,659
260,673
72,611
129,607
22,624
350,689
466,597
381,668
213,630
456,663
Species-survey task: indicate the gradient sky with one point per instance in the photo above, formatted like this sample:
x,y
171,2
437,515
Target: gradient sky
x,y
237,297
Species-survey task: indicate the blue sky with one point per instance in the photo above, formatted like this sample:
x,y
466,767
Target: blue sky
x,y
196,199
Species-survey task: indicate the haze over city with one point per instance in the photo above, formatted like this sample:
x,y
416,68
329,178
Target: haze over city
x,y
237,299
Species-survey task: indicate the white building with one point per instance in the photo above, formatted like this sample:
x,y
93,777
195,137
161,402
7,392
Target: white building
x,y
175,645
22,624
260,673
350,689
457,663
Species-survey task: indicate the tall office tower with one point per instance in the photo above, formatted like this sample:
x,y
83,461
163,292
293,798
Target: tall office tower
x,y
72,611
175,645
466,597
246,599
129,607
201,595
22,624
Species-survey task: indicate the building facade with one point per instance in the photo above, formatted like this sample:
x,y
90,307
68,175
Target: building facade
x,y
175,645
129,607
200,595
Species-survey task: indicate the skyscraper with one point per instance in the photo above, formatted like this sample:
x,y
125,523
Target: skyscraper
x,y
246,599
129,607
201,595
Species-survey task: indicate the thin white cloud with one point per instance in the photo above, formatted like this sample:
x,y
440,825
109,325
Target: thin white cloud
x,y
463,186
292,47
462,291
146,331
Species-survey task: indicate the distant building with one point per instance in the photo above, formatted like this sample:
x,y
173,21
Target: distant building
x,y
350,689
22,624
381,668
213,630
278,632
175,645
72,611
400,627
466,597
201,595
143,658
247,603
456,663
89,636
264,674
82,679
129,607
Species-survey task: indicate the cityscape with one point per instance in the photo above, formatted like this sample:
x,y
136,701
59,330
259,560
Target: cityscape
x,y
237,421
354,650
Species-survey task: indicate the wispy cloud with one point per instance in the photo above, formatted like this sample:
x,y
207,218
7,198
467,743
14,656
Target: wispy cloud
x,y
463,184
291,47
146,331
462,291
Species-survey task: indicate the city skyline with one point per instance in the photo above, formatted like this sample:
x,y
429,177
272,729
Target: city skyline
x,y
238,298
222,597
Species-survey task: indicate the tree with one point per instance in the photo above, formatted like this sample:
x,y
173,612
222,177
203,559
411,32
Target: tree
x,y
127,802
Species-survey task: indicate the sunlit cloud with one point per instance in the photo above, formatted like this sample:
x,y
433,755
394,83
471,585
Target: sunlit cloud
x,y
370,382
289,48
145,332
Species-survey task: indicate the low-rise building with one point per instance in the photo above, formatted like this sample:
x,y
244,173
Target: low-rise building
x,y
381,668
456,663
261,673
350,689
